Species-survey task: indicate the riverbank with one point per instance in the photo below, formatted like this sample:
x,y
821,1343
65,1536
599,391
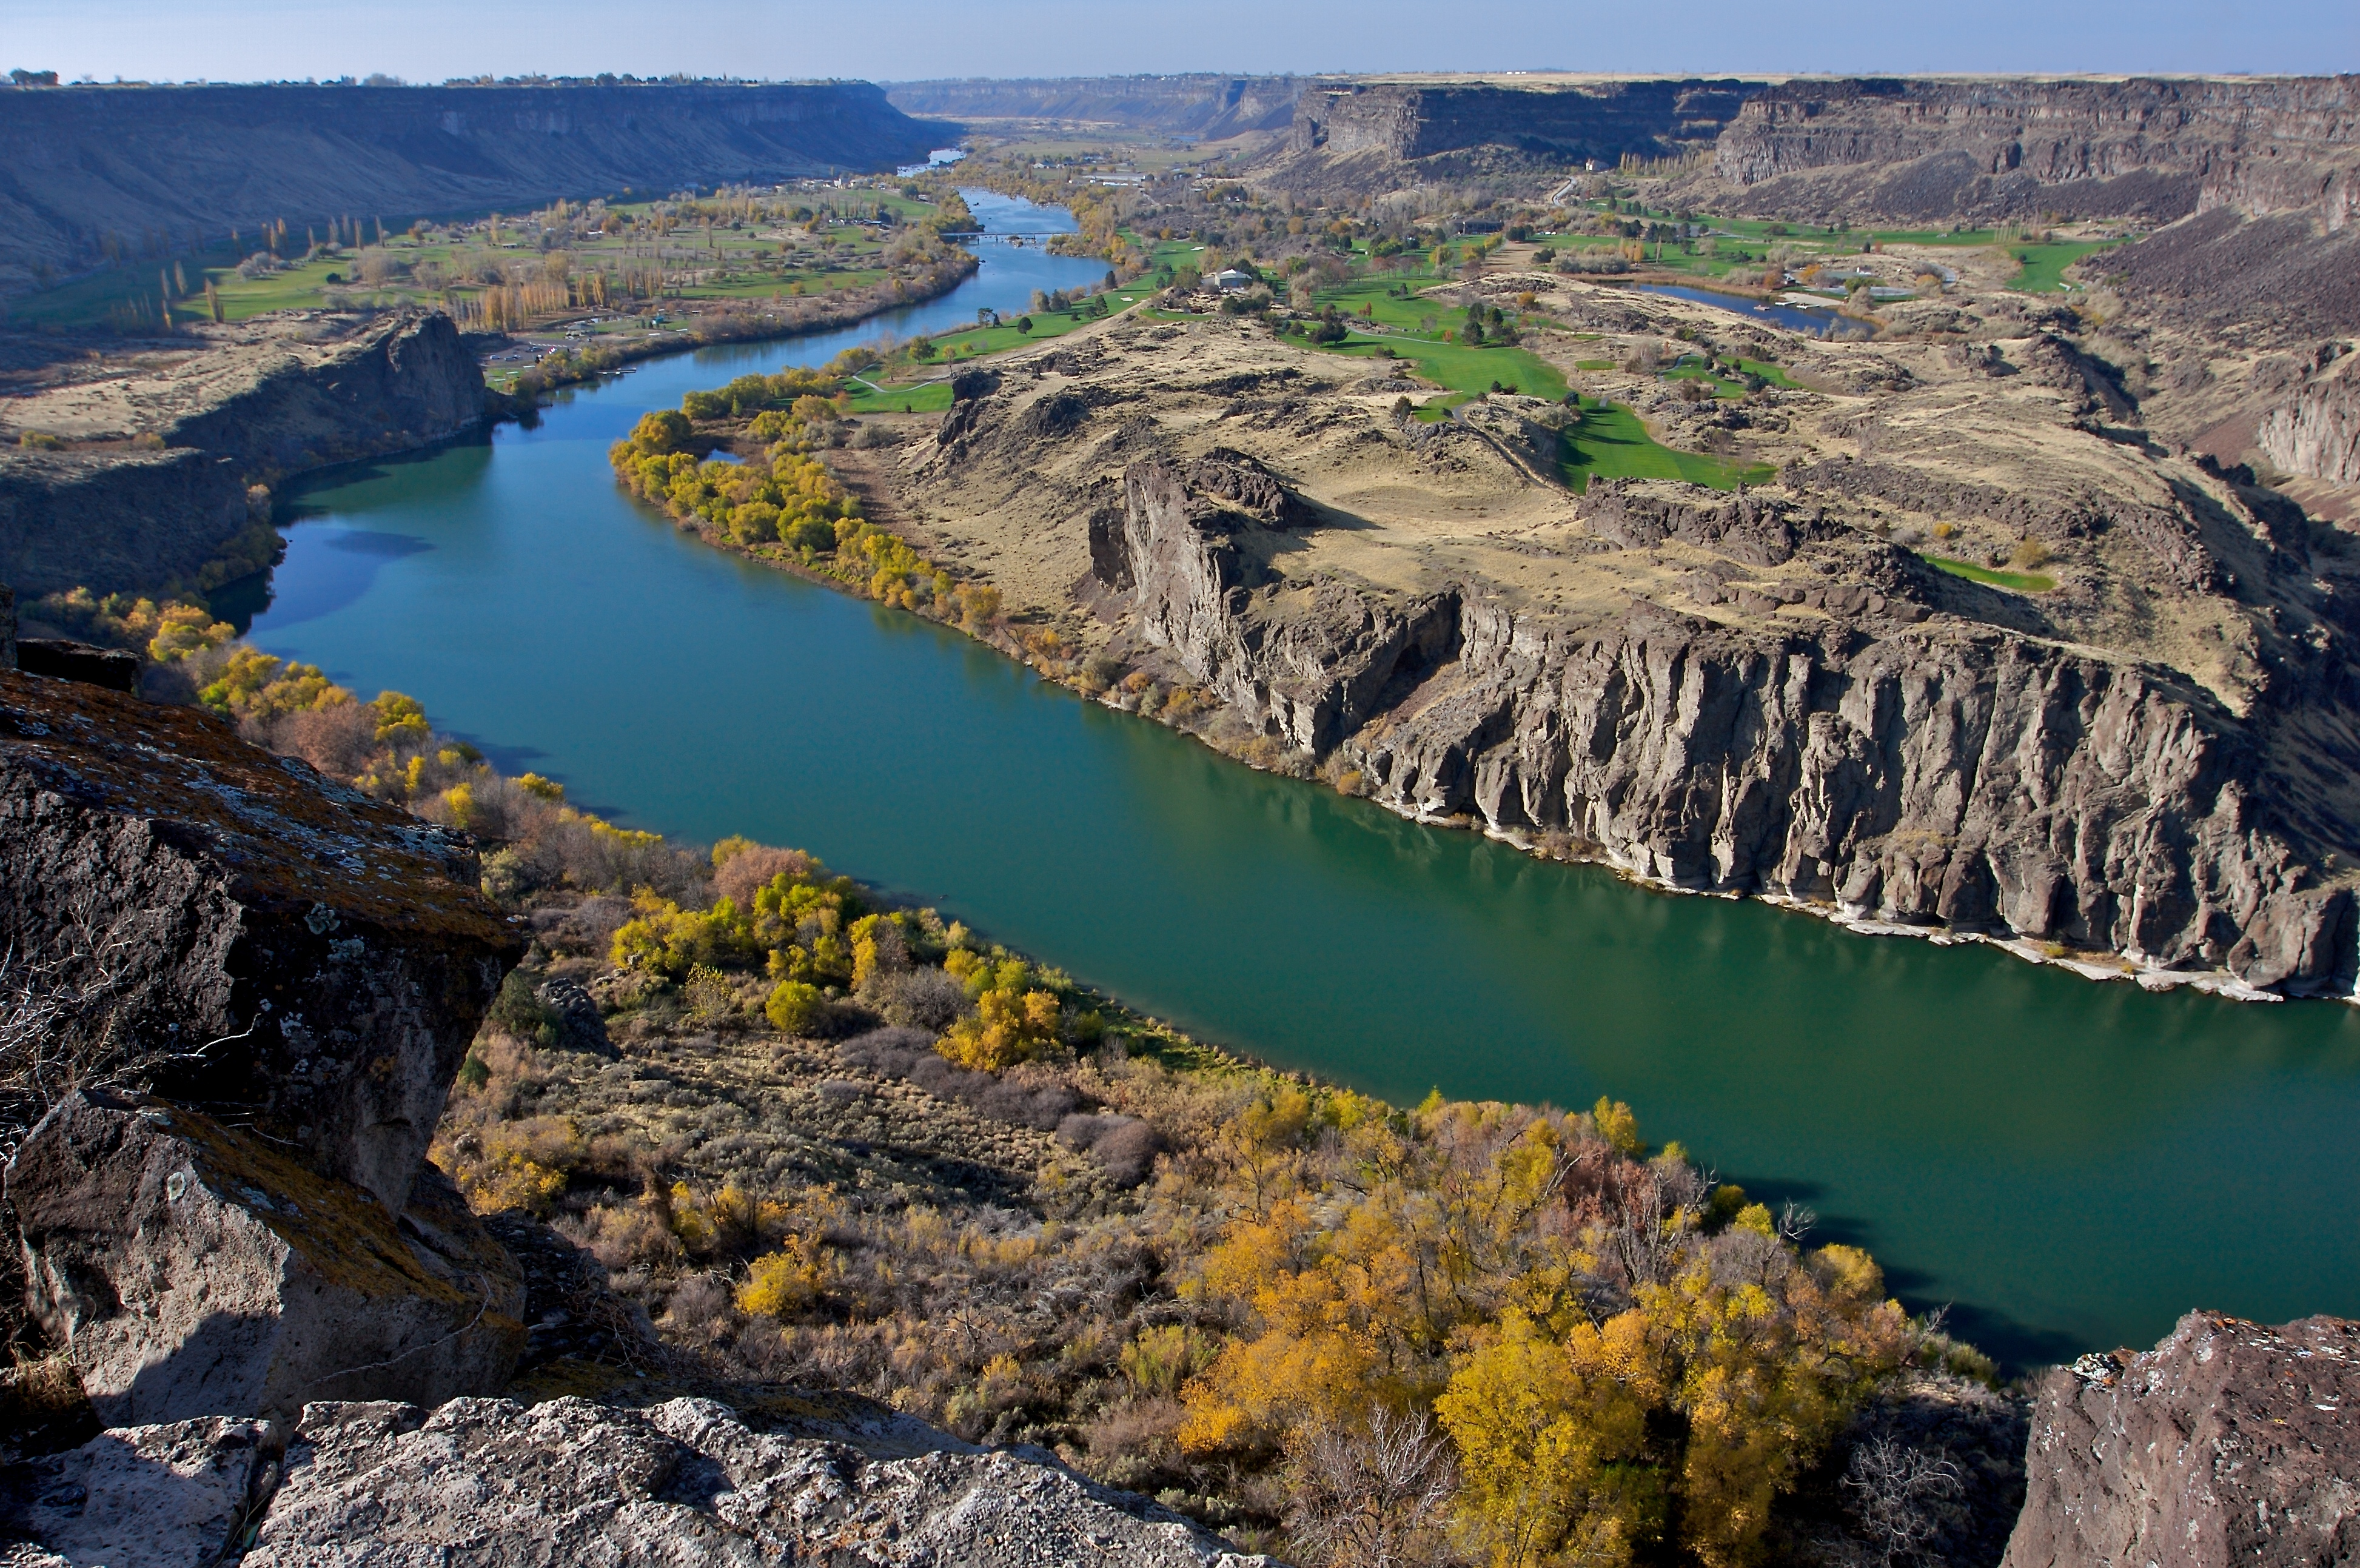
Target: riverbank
x,y
748,322
828,1137
1886,1084
1144,679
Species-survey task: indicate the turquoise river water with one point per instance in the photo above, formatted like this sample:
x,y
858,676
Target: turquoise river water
x,y
2071,1164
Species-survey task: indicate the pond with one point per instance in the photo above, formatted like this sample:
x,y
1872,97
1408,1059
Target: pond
x,y
1807,318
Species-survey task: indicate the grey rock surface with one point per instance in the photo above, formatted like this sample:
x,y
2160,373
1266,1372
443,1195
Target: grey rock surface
x,y
1935,776
2229,1442
2317,430
493,1483
192,1269
170,1495
274,946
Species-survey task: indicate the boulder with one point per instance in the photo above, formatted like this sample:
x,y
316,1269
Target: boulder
x,y
2229,1442
264,983
193,1268
173,1496
495,1483
249,937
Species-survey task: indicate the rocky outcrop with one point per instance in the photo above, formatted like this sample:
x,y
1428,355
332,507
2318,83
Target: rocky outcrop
x,y
2001,147
1760,529
295,972
191,1267
1196,561
169,1495
88,161
284,950
1949,778
241,407
487,1481
2229,1442
363,386
2317,430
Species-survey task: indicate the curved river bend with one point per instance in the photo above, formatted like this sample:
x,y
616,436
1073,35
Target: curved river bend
x,y
2071,1164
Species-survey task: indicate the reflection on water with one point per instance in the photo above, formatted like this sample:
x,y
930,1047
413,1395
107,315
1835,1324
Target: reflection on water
x,y
2071,1164
1818,323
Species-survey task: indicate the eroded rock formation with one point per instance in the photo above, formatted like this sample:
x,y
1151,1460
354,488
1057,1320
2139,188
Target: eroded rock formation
x,y
2138,147
2317,430
684,1482
296,970
240,406
2229,1442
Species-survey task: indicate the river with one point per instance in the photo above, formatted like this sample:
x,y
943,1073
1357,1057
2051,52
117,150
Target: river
x,y
2072,1164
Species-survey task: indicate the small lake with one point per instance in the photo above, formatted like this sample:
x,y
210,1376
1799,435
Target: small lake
x,y
2072,1164
1806,319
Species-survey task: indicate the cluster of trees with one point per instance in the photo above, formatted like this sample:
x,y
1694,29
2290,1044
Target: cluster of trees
x,y
164,633
785,505
1628,1362
1346,1330
785,498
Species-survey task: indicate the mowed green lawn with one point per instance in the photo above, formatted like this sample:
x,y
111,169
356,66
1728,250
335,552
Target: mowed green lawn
x,y
1611,442
2019,582
2044,265
924,385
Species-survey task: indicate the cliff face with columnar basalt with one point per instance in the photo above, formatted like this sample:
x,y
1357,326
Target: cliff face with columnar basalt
x,y
2025,147
152,484
1399,131
1917,775
85,162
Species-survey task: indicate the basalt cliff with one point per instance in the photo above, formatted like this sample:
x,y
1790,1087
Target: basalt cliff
x,y
150,465
2144,765
140,163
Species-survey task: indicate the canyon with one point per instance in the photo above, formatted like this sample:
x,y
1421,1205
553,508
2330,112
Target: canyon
x,y
1770,693
159,166
150,471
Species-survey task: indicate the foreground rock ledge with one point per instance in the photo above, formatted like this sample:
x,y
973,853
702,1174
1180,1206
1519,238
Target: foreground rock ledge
x,y
2229,1442
491,1482
191,1267
296,970
286,951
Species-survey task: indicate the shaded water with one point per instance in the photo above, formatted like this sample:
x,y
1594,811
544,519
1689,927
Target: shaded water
x,y
1818,322
2072,1164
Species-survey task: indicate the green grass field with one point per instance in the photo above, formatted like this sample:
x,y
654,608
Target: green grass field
x,y
924,385
2019,582
2044,265
756,261
1611,442
1454,367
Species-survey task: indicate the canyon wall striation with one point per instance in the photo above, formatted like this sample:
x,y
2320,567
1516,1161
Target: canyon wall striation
x,y
1942,776
2133,147
138,162
154,484
2316,431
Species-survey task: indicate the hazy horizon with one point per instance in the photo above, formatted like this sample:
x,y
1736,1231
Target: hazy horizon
x,y
251,41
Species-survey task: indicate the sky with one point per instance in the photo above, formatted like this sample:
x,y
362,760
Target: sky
x,y
431,40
